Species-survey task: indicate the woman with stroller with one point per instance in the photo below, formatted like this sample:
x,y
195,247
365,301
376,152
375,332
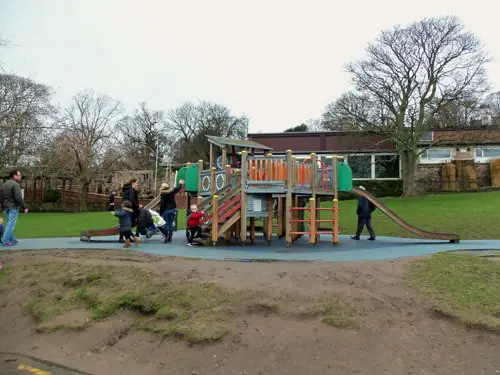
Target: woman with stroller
x,y
168,207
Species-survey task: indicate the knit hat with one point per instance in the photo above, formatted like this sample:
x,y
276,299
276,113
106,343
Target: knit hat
x,y
164,186
362,188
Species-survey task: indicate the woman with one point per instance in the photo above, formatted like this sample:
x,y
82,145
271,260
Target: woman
x,y
168,207
132,195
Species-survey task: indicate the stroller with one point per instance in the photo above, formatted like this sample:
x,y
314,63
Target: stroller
x,y
151,223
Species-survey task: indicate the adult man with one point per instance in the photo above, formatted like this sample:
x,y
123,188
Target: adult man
x,y
11,199
364,212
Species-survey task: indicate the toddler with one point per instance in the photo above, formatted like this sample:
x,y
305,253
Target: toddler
x,y
194,223
126,215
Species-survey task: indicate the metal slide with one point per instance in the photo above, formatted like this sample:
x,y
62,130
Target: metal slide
x,y
452,237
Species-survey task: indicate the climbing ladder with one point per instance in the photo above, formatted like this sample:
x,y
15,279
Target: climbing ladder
x,y
296,217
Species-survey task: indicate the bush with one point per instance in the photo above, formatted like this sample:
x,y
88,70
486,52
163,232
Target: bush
x,y
378,188
51,196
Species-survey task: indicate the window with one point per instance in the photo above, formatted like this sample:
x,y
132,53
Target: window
x,y
427,137
361,166
386,166
488,153
435,155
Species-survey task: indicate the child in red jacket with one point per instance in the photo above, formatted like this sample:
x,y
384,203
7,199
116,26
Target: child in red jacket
x,y
194,224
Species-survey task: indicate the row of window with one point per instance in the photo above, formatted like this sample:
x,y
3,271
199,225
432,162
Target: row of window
x,y
440,155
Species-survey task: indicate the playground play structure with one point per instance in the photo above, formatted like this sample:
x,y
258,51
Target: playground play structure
x,y
283,192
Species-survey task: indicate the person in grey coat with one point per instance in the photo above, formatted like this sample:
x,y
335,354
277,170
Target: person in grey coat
x,y
11,201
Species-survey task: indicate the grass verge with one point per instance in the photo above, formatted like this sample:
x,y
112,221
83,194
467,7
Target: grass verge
x,y
465,287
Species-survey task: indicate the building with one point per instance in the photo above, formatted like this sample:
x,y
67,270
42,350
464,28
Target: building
x,y
373,157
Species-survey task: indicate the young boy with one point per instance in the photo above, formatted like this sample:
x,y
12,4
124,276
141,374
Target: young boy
x,y
126,215
194,223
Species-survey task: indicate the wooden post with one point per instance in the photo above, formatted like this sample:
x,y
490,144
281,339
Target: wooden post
x,y
312,222
228,175
335,236
224,156
335,223
211,156
280,216
215,219
269,218
212,181
200,198
243,210
200,169
288,199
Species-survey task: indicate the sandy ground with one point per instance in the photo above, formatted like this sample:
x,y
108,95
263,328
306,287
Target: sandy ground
x,y
397,331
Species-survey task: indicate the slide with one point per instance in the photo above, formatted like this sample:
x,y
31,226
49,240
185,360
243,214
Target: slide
x,y
454,238
85,235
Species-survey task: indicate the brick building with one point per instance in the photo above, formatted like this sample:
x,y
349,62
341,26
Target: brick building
x,y
373,157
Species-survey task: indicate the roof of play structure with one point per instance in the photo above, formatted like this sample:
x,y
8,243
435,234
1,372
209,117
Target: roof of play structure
x,y
225,142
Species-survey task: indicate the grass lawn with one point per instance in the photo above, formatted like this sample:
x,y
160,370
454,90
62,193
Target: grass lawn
x,y
472,215
465,287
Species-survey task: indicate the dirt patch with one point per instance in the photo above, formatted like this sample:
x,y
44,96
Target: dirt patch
x,y
127,313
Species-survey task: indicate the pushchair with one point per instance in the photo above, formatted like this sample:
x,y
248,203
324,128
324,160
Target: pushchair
x,y
151,223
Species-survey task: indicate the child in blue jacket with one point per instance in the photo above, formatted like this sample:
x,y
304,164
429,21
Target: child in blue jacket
x,y
126,215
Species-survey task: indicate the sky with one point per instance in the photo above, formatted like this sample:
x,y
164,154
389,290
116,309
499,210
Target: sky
x,y
279,62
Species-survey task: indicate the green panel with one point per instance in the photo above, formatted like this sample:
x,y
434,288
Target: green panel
x,y
192,178
181,175
345,177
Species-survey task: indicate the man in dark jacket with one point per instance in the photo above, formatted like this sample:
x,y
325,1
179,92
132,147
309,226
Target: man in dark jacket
x,y
11,200
364,212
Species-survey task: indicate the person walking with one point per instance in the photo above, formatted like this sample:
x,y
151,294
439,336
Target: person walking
x,y
364,212
168,207
11,200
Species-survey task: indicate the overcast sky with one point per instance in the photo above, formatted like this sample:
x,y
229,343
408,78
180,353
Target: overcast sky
x,y
277,61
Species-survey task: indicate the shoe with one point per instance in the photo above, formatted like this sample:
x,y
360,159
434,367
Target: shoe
x,y
127,243
170,236
355,238
137,240
10,243
371,239
190,244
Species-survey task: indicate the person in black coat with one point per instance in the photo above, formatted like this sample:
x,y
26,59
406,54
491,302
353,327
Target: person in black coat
x,y
168,207
130,193
364,212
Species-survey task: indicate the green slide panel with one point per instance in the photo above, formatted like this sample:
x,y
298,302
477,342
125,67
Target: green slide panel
x,y
345,177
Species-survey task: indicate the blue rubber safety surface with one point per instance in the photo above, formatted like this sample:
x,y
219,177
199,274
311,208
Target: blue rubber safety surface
x,y
347,250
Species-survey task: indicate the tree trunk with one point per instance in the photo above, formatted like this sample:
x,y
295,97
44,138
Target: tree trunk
x,y
84,197
409,164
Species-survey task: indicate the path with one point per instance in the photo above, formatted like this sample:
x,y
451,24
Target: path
x,y
347,251
16,364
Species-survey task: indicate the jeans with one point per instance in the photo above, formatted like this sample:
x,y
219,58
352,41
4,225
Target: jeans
x,y
8,235
169,217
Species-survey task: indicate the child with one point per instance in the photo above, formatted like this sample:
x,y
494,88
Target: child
x,y
1,229
126,215
193,223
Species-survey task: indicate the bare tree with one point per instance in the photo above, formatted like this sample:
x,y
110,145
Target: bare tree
x,y
412,73
80,149
191,123
25,116
144,134
460,114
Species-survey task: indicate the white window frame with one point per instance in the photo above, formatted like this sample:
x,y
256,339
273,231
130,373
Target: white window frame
x,y
372,169
485,159
423,160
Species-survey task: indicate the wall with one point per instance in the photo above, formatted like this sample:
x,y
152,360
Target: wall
x,y
428,177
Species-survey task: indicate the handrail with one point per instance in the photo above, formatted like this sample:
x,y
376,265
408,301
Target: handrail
x,y
322,172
